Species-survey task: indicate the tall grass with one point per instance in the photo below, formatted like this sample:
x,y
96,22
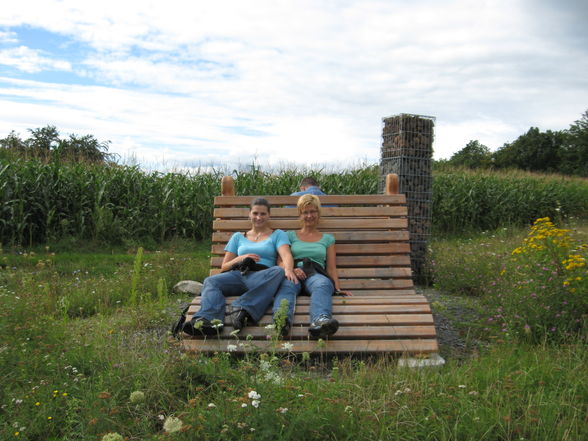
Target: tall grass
x,y
46,203
105,366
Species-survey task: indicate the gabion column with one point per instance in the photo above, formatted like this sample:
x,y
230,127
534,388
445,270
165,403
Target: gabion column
x,y
407,150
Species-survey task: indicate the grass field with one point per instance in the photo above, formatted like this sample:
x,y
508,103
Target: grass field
x,y
85,355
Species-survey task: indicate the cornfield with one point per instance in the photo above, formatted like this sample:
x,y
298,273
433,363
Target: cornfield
x,y
42,203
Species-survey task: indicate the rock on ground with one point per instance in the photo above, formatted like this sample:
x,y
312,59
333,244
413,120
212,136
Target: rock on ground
x,y
188,287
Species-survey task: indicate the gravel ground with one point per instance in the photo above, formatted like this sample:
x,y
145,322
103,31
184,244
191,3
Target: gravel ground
x,y
452,314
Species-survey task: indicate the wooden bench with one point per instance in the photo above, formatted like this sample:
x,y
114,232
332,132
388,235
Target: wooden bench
x,y
385,315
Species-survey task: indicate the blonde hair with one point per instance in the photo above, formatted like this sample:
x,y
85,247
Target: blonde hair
x,y
309,200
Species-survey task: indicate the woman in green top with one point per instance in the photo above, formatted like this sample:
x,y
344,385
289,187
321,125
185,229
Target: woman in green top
x,y
315,267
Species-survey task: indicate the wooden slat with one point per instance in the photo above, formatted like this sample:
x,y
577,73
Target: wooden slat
x,y
377,211
361,319
340,236
416,346
356,248
360,309
363,199
363,272
344,332
293,224
354,300
352,284
351,261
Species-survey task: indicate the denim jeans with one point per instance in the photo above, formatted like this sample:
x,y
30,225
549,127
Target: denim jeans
x,y
321,292
256,290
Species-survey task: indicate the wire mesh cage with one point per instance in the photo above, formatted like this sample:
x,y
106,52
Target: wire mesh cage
x,y
407,150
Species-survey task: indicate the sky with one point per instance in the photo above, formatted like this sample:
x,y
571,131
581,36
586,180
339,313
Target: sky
x,y
174,84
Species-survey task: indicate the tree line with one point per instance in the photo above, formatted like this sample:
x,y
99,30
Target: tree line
x,y
47,145
563,151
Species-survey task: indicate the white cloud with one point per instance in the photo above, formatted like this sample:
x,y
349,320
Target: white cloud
x,y
30,61
180,78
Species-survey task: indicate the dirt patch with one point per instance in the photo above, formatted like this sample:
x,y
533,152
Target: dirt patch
x,y
454,318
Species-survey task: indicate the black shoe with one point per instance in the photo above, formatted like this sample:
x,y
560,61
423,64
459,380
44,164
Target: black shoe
x,y
200,326
240,319
323,327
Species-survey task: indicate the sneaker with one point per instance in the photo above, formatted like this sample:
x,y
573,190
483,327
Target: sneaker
x,y
200,326
240,319
323,327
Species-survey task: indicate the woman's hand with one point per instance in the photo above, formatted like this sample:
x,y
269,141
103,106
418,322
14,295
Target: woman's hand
x,y
255,257
300,274
291,276
339,292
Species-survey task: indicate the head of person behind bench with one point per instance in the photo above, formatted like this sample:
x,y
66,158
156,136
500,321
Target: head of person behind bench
x,y
309,185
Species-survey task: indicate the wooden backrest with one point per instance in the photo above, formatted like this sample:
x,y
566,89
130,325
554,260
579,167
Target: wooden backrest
x,y
371,233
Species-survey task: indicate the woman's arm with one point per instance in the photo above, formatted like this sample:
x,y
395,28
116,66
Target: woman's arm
x,y
332,268
287,262
231,258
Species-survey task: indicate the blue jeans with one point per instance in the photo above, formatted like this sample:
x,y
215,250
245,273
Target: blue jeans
x,y
321,292
256,290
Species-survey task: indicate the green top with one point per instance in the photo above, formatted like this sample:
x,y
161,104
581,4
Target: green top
x,y
315,251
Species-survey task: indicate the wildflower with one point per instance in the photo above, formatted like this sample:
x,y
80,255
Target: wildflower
x,y
211,405
462,386
161,417
137,397
112,436
254,395
255,403
49,417
282,409
231,348
288,346
244,405
37,403
172,424
270,326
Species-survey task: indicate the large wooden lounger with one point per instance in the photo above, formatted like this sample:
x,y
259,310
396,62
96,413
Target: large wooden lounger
x,y
385,315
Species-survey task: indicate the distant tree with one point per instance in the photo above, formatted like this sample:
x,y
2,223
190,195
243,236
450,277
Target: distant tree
x,y
83,148
473,155
574,150
533,151
45,144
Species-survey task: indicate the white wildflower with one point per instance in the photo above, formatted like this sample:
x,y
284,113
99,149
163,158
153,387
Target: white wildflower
x,y
282,409
137,397
112,436
211,405
244,405
231,348
254,395
255,403
288,346
172,424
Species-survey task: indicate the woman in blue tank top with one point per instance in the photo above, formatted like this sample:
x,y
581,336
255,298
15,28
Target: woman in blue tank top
x,y
315,267
259,247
